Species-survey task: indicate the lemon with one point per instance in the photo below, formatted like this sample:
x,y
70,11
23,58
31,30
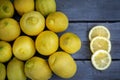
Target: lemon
x,y
6,9
2,71
5,51
99,43
101,59
45,6
70,42
62,64
23,6
57,22
46,42
15,70
99,31
23,47
32,23
37,68
9,29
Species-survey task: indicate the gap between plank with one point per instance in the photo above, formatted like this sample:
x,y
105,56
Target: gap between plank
x,y
90,59
75,21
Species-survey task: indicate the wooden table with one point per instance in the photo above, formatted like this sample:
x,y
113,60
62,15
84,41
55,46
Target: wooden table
x,y
83,15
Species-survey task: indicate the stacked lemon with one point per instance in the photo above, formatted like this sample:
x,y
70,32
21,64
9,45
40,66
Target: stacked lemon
x,y
100,46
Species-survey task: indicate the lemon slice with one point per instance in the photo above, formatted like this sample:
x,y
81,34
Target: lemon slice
x,y
99,31
101,59
99,43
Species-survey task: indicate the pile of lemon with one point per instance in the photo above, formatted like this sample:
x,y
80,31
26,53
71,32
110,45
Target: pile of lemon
x,y
21,40
100,46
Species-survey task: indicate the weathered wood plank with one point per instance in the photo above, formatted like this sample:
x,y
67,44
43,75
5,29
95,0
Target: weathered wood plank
x,y
87,10
78,28
87,72
82,30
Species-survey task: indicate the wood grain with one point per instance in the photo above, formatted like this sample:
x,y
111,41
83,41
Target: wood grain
x,y
82,30
90,10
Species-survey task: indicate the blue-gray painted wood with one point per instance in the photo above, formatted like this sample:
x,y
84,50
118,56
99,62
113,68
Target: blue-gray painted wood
x,y
90,10
82,30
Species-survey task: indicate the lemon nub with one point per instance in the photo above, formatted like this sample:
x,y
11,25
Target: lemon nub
x,y
5,8
52,22
32,20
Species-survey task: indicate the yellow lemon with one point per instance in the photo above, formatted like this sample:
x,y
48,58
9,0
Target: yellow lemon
x,y
2,71
70,42
45,6
23,48
101,60
57,22
9,29
99,43
62,64
46,42
23,6
37,68
6,8
99,31
5,51
32,23
15,70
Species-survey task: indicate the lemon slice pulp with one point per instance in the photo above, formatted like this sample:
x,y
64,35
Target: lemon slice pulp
x,y
101,59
